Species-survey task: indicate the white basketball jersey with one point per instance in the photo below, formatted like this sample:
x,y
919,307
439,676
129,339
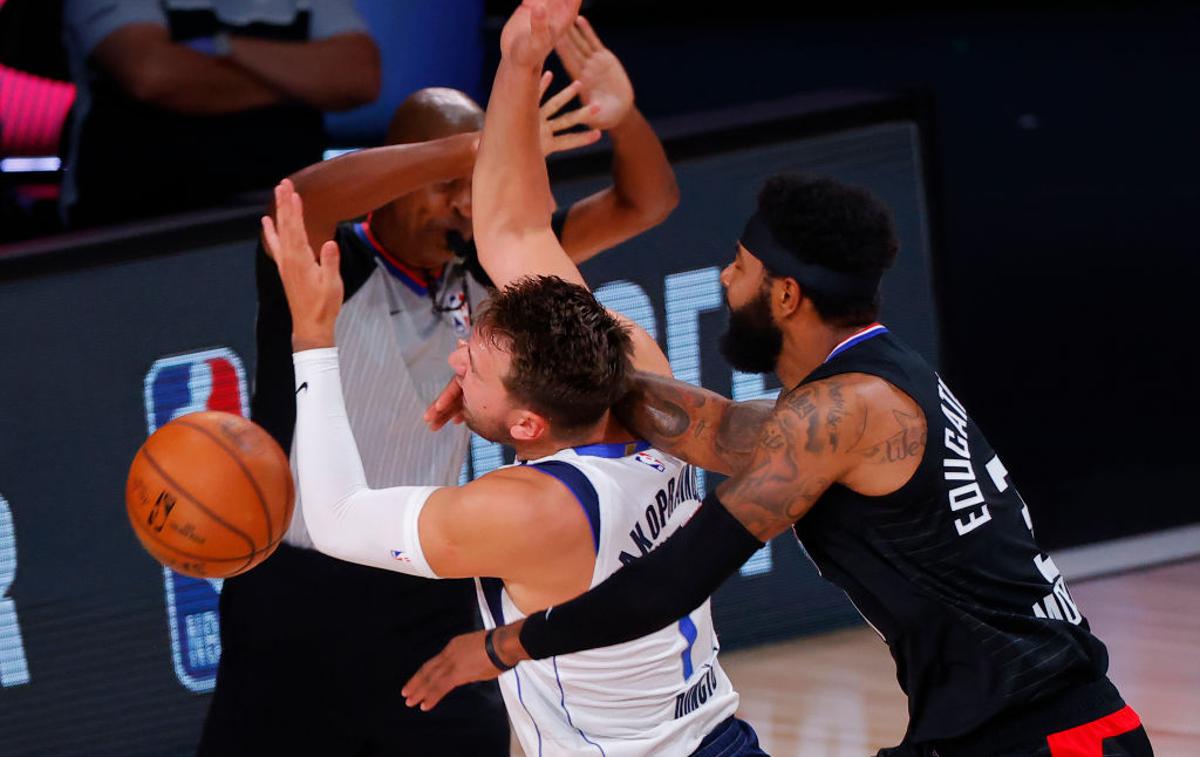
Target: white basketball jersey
x,y
660,694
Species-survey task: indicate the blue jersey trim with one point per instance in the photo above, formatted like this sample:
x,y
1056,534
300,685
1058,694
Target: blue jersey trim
x,y
521,699
562,699
574,479
613,449
687,629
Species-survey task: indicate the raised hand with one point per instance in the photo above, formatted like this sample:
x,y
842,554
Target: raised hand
x,y
447,408
313,284
462,661
555,137
606,88
534,27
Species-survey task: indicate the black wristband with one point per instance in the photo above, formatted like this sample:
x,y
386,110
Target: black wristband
x,y
491,652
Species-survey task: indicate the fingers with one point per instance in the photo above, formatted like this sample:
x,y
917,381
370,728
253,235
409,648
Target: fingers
x,y
445,407
330,257
291,226
560,99
571,56
291,238
270,238
427,687
588,34
574,140
544,84
581,41
572,118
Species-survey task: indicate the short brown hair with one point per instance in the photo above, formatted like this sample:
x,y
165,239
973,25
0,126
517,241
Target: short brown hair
x,y
571,358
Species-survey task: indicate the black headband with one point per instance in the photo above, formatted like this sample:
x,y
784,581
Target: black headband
x,y
761,243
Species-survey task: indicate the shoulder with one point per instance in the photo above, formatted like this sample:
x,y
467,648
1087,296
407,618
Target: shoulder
x,y
842,412
849,391
527,496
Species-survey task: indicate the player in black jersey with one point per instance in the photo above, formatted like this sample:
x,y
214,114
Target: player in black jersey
x,y
890,486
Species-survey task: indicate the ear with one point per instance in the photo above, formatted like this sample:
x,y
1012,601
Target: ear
x,y
528,427
786,298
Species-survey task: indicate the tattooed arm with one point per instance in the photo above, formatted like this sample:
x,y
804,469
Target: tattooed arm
x,y
692,423
854,430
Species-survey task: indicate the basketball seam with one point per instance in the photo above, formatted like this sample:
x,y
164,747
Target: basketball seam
x,y
262,501
206,558
158,469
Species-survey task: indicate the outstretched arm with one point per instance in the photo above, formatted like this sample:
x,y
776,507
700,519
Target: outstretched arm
x,y
446,532
511,200
511,191
354,184
644,191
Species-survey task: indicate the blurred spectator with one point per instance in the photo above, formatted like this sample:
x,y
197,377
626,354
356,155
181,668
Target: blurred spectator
x,y
183,104
35,97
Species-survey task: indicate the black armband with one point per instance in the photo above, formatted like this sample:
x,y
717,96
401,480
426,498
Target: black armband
x,y
649,593
490,648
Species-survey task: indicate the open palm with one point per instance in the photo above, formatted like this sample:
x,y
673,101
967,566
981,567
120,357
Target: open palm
x,y
605,87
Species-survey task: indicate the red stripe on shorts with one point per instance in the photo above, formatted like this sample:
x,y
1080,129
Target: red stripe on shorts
x,y
1087,740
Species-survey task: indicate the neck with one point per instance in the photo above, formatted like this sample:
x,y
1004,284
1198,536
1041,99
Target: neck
x,y
608,429
806,347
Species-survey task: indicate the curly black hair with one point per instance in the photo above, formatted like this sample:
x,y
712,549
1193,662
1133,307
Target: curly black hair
x,y
571,358
838,226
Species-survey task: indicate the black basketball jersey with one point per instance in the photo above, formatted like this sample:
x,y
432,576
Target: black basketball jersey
x,y
946,569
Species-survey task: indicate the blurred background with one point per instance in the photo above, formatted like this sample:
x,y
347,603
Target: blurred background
x,y
1042,159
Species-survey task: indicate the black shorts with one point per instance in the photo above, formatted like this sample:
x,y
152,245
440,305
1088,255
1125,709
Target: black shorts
x,y
315,652
1088,720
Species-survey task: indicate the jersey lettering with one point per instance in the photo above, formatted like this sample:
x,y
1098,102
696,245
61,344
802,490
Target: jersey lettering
x,y
677,491
956,466
696,695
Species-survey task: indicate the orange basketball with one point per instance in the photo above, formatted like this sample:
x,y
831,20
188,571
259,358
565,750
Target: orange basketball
x,y
210,494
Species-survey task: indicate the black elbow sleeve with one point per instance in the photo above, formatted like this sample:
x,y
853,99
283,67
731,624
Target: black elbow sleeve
x,y
649,593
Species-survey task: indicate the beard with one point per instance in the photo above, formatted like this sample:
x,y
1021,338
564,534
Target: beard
x,y
753,341
490,429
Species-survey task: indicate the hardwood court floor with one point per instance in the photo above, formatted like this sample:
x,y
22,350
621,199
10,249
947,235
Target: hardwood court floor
x,y
836,694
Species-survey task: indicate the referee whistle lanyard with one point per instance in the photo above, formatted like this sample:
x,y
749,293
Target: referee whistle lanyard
x,y
858,337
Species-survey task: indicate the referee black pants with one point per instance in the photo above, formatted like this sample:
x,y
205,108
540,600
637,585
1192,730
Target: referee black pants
x,y
315,652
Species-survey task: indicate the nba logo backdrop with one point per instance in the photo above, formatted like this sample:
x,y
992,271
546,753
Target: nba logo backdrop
x,y
177,385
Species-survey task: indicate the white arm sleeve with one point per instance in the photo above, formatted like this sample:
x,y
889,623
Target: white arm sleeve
x,y
347,519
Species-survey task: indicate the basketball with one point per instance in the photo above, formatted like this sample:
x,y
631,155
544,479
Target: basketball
x,y
210,494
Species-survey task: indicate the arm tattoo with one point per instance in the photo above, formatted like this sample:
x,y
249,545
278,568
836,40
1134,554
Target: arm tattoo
x,y
692,423
906,440
817,435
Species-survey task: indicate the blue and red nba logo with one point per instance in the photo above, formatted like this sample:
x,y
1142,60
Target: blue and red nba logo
x,y
651,461
177,385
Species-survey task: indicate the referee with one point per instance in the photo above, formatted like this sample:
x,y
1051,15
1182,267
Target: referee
x,y
315,650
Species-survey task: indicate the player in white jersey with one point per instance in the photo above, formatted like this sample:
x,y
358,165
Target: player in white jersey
x,y
543,365
585,497
661,692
